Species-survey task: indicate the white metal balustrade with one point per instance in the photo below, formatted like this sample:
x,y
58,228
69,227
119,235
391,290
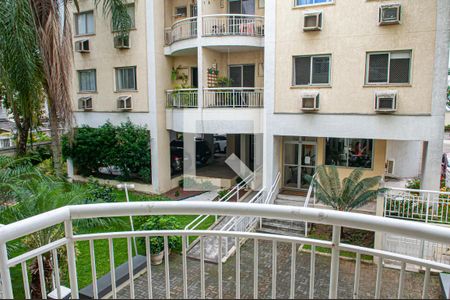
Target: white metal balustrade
x,y
181,30
233,97
67,215
233,24
182,98
6,142
417,205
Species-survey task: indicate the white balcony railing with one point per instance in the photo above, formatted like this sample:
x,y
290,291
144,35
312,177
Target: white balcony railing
x,y
233,97
182,98
229,24
167,281
181,30
417,205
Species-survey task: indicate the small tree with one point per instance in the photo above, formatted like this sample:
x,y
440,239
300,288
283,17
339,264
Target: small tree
x,y
353,192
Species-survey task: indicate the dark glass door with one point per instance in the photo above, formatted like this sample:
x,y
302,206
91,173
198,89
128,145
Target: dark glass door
x,y
194,77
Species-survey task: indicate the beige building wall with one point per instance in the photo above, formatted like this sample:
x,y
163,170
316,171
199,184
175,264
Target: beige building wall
x,y
348,40
225,59
104,58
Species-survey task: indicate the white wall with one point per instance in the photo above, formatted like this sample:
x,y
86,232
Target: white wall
x,y
407,156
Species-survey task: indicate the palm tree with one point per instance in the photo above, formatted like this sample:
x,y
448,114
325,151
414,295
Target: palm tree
x,y
13,173
353,192
48,35
40,195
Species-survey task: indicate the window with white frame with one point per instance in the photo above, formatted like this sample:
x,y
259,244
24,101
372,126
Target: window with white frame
x,y
312,70
131,12
311,2
353,153
87,80
84,23
126,79
388,67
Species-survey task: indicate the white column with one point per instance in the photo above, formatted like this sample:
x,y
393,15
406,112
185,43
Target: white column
x,y
270,142
158,78
431,170
201,71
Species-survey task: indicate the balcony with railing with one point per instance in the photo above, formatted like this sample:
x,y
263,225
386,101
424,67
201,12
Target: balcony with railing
x,y
181,30
182,98
261,265
233,97
233,25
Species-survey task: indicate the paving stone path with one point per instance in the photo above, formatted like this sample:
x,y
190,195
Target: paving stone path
x,y
413,281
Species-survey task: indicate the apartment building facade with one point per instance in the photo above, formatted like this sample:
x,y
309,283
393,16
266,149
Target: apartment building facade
x,y
293,84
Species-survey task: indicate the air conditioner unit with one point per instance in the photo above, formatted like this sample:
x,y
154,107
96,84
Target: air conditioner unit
x,y
82,46
85,103
312,21
122,41
310,101
390,164
389,14
124,103
386,101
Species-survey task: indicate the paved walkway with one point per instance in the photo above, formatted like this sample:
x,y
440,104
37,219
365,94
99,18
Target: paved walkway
x,y
413,281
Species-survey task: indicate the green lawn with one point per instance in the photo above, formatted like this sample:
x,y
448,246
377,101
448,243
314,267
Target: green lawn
x,y
101,247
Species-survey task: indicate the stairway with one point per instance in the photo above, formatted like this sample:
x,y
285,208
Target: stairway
x,y
284,227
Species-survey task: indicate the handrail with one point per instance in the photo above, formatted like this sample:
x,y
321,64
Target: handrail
x,y
182,90
234,15
417,191
272,188
182,21
308,196
234,88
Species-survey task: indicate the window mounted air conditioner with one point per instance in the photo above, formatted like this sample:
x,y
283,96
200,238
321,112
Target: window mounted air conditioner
x,y
85,103
390,164
386,101
389,14
124,103
310,101
122,41
312,21
82,46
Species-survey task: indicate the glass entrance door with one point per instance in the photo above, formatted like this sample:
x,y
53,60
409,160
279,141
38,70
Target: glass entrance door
x,y
299,160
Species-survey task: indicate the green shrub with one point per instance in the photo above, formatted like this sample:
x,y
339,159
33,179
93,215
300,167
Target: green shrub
x,y
413,184
162,223
126,146
99,193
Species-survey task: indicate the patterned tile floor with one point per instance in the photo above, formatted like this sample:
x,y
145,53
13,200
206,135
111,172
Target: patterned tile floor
x,y
413,281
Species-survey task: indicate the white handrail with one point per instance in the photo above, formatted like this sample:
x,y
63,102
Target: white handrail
x,y
233,24
308,196
233,97
246,212
182,98
181,30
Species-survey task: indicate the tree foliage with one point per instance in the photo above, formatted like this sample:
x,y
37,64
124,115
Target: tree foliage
x,y
126,146
348,194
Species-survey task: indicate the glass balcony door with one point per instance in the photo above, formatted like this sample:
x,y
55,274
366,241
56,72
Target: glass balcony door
x,y
299,160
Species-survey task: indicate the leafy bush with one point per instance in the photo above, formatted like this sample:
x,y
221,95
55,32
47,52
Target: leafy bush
x,y
99,193
126,146
162,223
413,184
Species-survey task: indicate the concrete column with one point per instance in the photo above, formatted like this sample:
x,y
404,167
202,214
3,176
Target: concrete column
x,y
431,168
158,81
244,148
272,146
70,169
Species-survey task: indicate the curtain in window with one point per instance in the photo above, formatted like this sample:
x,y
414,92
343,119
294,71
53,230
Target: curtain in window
x,y
126,78
302,67
85,23
248,7
87,81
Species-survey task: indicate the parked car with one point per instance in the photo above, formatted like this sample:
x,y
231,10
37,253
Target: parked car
x,y
220,143
203,154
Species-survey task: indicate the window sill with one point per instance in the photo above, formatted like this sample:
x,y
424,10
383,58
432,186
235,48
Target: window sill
x,y
83,35
125,91
306,6
86,92
300,87
387,85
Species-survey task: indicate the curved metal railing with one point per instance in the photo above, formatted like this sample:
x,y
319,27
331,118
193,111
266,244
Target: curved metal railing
x,y
233,24
67,215
181,30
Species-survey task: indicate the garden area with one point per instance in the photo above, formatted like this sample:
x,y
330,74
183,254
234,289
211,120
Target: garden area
x,y
27,188
110,152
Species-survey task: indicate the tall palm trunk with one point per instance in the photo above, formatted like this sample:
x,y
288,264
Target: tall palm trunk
x,y
56,140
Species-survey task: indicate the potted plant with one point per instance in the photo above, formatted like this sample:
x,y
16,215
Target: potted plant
x,y
157,242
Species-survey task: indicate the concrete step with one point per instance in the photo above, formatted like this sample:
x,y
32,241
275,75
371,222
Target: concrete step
x,y
290,197
285,225
280,232
297,202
